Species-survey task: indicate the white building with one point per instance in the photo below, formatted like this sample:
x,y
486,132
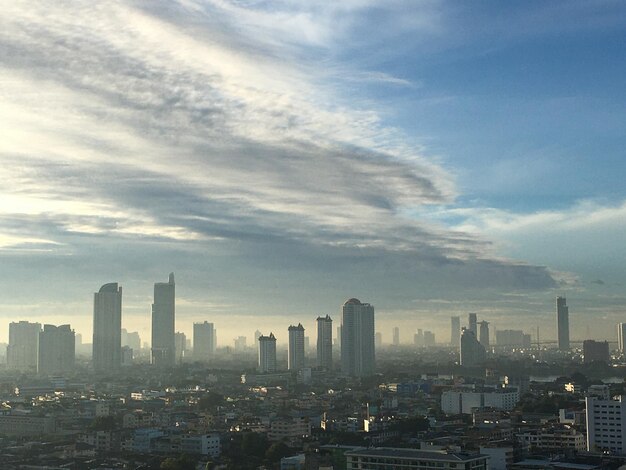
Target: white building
x,y
107,328
267,353
358,356
163,323
23,348
463,402
295,357
606,425
325,342
203,341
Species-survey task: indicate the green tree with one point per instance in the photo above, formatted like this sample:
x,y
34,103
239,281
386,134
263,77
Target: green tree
x,y
182,462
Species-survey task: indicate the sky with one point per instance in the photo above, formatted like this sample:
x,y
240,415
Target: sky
x,y
429,157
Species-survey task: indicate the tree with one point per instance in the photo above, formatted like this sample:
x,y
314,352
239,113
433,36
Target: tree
x,y
182,462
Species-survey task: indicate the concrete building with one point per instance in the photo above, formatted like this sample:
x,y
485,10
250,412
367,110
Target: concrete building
x,y
472,352
562,323
203,341
57,346
464,402
621,337
473,324
26,424
132,340
325,342
389,458
289,428
107,328
180,346
500,458
554,438
606,425
455,331
241,342
596,351
429,339
23,348
358,356
378,340
267,353
163,353
512,338
396,336
483,337
295,357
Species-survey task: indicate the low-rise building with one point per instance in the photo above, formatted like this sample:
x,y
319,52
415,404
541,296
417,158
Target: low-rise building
x,y
415,459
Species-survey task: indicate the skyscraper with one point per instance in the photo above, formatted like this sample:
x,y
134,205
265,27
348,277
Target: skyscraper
x,y
621,337
23,348
358,356
180,344
295,358
107,328
455,331
325,342
562,323
57,348
484,334
163,323
472,352
396,336
267,353
378,340
203,341
473,324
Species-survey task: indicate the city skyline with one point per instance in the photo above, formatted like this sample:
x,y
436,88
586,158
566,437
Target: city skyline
x,y
468,178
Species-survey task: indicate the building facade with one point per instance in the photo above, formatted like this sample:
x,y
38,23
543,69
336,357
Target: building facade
x,y
455,331
472,352
107,328
163,323
23,348
606,425
57,349
358,355
562,323
621,337
596,351
203,341
389,458
295,356
267,353
325,342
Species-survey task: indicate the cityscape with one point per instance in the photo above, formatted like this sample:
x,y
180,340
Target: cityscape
x,y
312,235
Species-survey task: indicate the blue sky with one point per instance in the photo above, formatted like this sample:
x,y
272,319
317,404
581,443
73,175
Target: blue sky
x,y
432,158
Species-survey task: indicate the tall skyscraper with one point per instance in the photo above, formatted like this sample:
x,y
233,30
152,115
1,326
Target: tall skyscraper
x,y
180,344
358,356
57,346
429,339
267,353
378,340
203,341
396,336
107,328
472,352
163,323
484,334
455,331
418,338
621,337
562,323
325,342
23,348
132,340
295,358
473,324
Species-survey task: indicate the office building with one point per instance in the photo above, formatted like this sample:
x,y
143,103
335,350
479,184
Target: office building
x,y
57,346
240,343
163,323
418,338
483,337
473,324
562,323
180,346
606,425
358,356
512,338
267,353
295,357
621,337
596,351
472,352
203,341
107,328
465,402
325,342
396,336
455,331
378,340
131,339
23,348
429,339
390,458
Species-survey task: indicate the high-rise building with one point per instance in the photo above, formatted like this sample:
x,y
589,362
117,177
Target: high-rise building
x,y
180,346
107,328
455,331
57,346
606,425
358,356
163,323
240,343
562,323
325,342
511,338
132,340
338,338
484,334
621,337
295,358
418,338
378,340
473,324
396,336
429,339
23,348
596,351
472,352
203,341
267,353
